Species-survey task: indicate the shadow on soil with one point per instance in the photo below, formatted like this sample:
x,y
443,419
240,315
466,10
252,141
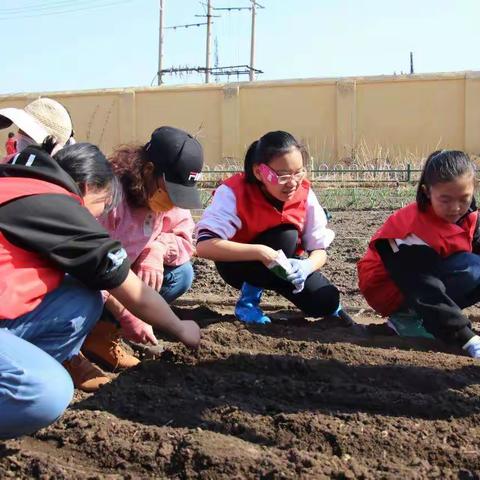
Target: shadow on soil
x,y
167,392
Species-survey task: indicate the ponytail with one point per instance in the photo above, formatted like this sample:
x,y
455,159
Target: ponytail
x,y
250,162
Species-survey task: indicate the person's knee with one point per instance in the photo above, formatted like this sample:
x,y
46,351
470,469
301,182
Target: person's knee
x,y
55,392
182,278
187,276
177,282
472,271
283,237
324,301
465,264
42,397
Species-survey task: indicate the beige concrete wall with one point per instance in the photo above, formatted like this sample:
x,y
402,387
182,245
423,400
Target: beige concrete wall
x,y
391,116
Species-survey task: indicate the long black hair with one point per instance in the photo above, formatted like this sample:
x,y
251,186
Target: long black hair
x,y
268,147
87,165
442,166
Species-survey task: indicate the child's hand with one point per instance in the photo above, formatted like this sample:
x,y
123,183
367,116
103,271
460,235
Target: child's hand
x,y
152,278
266,255
135,330
189,334
301,270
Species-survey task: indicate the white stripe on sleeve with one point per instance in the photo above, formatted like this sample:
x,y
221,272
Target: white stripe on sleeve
x,y
220,217
316,235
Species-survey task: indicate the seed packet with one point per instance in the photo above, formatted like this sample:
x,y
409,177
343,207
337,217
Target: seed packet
x,y
280,266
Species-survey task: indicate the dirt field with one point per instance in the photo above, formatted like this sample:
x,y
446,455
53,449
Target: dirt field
x,y
295,399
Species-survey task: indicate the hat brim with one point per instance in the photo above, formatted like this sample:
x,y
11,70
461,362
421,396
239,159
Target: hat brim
x,y
184,196
24,122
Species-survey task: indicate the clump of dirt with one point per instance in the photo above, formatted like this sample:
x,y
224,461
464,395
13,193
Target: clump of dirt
x,y
294,399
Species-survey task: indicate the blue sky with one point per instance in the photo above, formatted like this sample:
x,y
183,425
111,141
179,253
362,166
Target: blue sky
x,y
114,43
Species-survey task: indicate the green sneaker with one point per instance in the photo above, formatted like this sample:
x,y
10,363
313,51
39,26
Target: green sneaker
x,y
408,324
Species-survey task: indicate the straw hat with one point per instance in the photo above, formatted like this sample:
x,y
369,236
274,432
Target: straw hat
x,y
38,119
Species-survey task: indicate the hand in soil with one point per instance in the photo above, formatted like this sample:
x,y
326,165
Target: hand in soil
x,y
190,334
136,330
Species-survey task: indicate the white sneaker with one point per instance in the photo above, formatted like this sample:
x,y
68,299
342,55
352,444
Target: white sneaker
x,y
473,347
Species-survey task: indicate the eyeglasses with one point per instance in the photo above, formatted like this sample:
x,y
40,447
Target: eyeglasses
x,y
274,178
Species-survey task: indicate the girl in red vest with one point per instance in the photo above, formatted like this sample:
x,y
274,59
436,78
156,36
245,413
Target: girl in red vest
x,y
421,267
267,208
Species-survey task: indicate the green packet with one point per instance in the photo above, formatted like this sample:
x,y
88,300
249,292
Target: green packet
x,y
280,266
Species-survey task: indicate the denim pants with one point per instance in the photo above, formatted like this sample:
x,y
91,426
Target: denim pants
x,y
176,281
460,273
35,389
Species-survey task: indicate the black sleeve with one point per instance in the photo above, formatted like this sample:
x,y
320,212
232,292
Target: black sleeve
x,y
60,229
476,237
413,269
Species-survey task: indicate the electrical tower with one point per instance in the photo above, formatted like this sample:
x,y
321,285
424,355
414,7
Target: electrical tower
x,y
216,71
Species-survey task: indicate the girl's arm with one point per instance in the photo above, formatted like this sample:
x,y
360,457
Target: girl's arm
x,y
221,250
318,258
149,306
316,234
177,238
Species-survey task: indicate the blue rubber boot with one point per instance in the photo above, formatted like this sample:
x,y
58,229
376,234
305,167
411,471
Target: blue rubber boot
x,y
406,323
247,308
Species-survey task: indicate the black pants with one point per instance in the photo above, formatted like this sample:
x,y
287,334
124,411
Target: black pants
x,y
318,298
422,277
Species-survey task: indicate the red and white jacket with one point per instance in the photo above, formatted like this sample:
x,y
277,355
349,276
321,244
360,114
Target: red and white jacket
x,y
240,211
445,238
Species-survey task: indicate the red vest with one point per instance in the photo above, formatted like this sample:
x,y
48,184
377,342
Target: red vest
x,y
445,238
257,214
25,277
11,146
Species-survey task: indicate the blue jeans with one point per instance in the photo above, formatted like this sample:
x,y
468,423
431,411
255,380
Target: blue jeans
x,y
460,274
34,387
176,281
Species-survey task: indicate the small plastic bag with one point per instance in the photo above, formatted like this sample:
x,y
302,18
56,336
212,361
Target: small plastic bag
x,y
282,267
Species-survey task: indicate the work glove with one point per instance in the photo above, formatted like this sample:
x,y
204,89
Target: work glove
x,y
301,269
136,330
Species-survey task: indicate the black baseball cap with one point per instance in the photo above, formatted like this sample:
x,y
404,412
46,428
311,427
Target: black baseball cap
x,y
179,157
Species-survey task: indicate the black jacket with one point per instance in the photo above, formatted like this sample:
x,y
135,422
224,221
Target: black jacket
x,y
58,228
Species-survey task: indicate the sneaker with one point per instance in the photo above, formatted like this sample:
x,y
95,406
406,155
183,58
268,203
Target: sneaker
x,y
473,347
247,309
85,375
103,346
408,324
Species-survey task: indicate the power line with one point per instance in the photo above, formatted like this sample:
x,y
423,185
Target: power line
x,y
43,6
174,27
64,10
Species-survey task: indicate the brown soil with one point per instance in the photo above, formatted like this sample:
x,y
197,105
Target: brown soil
x,y
295,399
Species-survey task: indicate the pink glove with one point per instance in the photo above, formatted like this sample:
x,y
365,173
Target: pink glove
x,y
135,330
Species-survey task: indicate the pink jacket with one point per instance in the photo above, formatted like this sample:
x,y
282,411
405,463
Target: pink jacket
x,y
152,239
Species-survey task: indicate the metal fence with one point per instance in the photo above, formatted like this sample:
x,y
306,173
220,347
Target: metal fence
x,y
341,187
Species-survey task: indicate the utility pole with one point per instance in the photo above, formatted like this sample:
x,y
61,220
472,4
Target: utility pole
x,y
160,46
217,71
252,43
411,64
209,35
